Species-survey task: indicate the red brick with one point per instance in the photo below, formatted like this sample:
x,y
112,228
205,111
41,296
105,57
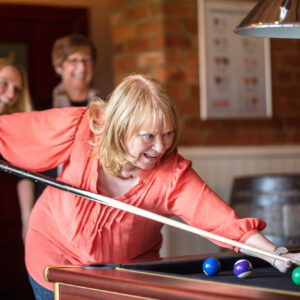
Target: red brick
x,y
191,75
165,44
117,5
150,59
283,76
174,26
191,25
192,59
150,27
159,72
121,33
175,74
136,13
125,63
186,107
145,44
291,61
175,57
177,89
179,8
293,122
178,42
115,19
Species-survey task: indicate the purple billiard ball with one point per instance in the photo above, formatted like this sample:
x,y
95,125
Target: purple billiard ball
x,y
242,268
211,266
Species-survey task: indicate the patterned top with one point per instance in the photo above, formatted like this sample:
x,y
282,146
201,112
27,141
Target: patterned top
x,y
61,99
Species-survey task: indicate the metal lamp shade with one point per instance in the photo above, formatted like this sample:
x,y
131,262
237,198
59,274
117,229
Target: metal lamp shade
x,y
272,19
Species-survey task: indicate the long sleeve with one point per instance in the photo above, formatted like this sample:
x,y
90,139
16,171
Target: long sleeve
x,y
190,198
39,140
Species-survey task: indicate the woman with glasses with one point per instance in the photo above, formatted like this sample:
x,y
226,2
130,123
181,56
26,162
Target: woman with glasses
x,y
73,59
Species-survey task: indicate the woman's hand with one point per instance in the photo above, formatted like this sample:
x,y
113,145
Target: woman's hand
x,y
286,266
261,242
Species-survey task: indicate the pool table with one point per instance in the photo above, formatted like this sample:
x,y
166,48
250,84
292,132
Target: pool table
x,y
174,278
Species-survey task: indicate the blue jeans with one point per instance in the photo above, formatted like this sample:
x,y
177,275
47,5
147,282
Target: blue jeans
x,y
40,293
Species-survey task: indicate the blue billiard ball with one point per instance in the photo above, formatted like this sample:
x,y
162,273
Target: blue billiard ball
x,y
242,268
211,266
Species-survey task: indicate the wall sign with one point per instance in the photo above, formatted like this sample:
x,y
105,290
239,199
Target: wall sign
x,y
235,71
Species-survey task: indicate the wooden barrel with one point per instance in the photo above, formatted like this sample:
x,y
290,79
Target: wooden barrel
x,y
274,198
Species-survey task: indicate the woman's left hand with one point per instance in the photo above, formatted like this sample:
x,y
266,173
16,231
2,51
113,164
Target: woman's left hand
x,y
286,266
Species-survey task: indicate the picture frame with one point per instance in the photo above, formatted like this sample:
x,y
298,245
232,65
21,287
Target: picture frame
x,y
16,51
235,71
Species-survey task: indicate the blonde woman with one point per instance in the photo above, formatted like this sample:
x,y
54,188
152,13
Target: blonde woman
x,y
124,149
14,91
15,97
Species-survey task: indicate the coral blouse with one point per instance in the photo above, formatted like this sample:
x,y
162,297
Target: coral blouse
x,y
67,229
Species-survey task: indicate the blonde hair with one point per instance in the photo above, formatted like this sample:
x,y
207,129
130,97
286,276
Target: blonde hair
x,y
23,104
138,102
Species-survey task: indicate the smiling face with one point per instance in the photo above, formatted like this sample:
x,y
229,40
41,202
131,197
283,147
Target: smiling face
x,y
139,127
147,148
10,87
77,70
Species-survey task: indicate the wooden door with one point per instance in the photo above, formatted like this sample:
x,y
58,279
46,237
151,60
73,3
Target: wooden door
x,y
37,27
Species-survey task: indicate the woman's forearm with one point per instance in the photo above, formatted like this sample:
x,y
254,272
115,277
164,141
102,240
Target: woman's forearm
x,y
25,189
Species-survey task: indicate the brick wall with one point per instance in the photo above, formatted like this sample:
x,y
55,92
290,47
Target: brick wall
x,y
161,37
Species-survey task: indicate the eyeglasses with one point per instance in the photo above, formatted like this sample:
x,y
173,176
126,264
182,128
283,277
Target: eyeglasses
x,y
76,61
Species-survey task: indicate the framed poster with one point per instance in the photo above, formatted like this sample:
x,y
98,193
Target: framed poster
x,y
235,71
16,51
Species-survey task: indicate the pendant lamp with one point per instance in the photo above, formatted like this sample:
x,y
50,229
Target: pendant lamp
x,y
272,19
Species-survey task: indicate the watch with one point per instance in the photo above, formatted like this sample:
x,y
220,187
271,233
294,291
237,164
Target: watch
x,y
281,250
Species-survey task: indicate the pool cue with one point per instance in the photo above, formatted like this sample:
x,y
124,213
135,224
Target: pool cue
x,y
6,167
